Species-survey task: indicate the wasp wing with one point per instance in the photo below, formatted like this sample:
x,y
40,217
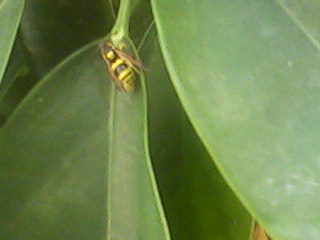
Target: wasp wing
x,y
134,63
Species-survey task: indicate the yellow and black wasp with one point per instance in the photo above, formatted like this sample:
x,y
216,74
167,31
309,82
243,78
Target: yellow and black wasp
x,y
121,66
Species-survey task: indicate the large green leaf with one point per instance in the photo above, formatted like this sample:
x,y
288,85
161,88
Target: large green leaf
x,y
134,210
54,154
198,203
247,73
10,13
134,205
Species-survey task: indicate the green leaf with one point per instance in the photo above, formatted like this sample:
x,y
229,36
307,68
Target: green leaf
x,y
197,201
54,155
10,13
134,206
54,29
247,73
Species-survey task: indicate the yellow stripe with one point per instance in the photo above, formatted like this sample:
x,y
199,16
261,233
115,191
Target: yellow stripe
x,y
118,62
124,73
128,80
129,83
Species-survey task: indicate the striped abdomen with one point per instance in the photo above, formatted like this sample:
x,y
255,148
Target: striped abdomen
x,y
123,73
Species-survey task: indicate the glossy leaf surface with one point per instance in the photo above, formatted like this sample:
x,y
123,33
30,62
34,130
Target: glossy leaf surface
x,y
247,73
54,156
198,203
55,151
135,210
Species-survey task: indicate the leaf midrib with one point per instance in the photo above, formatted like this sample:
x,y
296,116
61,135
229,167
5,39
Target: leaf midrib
x,y
299,24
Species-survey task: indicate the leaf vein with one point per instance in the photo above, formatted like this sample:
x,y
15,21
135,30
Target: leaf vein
x,y
299,24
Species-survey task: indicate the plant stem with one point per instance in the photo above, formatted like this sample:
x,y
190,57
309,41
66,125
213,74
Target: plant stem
x,y
121,28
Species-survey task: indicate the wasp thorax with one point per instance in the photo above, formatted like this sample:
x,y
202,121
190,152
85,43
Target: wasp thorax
x,y
110,55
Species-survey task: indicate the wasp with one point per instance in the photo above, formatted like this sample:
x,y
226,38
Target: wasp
x,y
121,66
